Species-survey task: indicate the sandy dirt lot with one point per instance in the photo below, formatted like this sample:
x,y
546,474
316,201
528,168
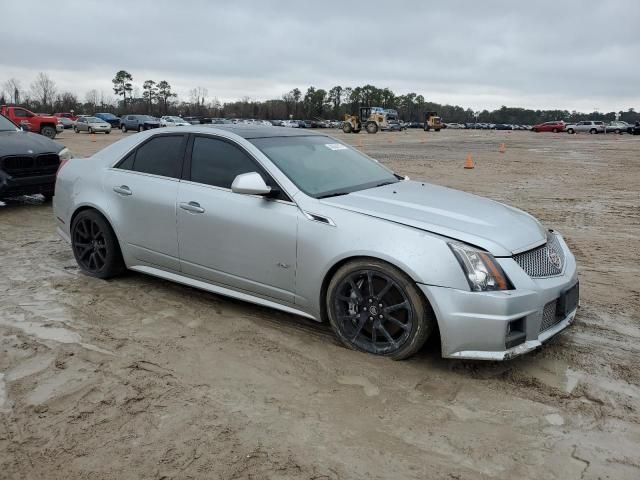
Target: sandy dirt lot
x,y
138,378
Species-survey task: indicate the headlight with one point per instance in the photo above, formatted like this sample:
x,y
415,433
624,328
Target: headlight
x,y
481,269
65,154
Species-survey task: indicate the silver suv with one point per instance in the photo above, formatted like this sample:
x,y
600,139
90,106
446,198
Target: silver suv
x,y
585,126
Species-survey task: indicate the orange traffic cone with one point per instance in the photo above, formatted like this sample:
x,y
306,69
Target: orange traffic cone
x,y
360,142
468,163
503,148
390,140
93,137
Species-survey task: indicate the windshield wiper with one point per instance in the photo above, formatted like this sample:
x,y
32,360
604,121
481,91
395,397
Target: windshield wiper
x,y
335,194
385,183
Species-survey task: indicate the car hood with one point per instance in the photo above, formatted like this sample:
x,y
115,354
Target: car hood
x,y
498,228
19,143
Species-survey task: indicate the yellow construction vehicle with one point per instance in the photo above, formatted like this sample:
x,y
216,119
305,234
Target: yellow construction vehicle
x,y
432,122
371,118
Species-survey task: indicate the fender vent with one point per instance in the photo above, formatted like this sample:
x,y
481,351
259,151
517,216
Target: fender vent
x,y
314,217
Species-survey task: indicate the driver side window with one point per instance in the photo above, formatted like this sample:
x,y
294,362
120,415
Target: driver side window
x,y
218,162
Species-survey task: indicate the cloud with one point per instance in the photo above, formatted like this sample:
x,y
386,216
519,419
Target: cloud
x,y
542,54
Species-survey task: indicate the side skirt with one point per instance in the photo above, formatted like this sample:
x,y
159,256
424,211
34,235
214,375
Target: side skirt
x,y
246,297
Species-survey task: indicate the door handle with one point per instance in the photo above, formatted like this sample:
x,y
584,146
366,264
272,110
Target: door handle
x,y
193,207
122,190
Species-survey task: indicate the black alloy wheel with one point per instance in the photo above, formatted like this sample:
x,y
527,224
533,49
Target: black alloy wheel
x,y
375,308
95,246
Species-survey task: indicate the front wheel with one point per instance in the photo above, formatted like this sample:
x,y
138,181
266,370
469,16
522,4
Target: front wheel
x,y
123,128
374,307
555,130
75,129
90,130
140,128
346,127
571,131
372,127
95,245
593,131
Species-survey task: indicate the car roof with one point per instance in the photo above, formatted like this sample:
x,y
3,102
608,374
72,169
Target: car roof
x,y
258,131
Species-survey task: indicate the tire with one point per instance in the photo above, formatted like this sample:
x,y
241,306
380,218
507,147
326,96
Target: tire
x,y
618,131
346,127
107,132
47,197
593,131
555,130
570,131
123,128
90,130
372,127
359,315
49,132
75,129
426,128
95,246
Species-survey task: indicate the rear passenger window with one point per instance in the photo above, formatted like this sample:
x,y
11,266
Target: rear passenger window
x,y
159,156
216,162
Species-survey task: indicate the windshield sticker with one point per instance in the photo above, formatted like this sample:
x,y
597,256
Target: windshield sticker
x,y
335,146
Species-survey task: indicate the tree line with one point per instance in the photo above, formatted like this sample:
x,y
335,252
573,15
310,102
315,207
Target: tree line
x,y
158,98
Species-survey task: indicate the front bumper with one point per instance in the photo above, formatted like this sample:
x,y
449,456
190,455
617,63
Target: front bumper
x,y
28,185
474,325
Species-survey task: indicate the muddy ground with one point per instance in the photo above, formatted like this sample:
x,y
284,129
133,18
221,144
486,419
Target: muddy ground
x,y
139,378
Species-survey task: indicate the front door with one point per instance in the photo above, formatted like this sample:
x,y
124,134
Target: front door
x,y
246,242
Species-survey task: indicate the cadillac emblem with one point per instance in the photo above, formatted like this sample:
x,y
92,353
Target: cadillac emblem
x,y
554,257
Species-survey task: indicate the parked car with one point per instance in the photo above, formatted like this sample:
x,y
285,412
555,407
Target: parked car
x,y
46,125
65,122
291,123
138,122
192,120
454,125
172,121
301,222
619,127
636,129
110,118
590,126
91,125
555,127
68,115
503,126
28,162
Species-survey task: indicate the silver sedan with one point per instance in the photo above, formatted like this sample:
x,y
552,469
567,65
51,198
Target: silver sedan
x,y
91,125
303,223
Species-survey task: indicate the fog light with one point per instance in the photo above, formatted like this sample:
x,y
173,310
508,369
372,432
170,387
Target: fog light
x,y
515,333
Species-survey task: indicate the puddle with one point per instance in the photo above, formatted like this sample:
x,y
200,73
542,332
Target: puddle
x,y
28,367
3,395
553,373
56,334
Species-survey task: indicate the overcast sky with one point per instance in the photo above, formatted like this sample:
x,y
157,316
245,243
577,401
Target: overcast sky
x,y
480,54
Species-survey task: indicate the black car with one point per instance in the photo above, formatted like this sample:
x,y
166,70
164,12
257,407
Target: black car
x,y
28,161
110,118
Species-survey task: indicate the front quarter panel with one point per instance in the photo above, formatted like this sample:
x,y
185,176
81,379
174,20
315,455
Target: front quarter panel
x,y
423,256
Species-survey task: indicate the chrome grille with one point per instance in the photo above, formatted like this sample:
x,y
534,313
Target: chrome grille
x,y
544,261
549,318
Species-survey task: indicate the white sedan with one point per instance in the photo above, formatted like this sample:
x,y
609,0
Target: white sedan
x,y
170,121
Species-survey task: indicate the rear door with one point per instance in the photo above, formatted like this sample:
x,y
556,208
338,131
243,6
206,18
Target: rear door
x,y
143,187
246,242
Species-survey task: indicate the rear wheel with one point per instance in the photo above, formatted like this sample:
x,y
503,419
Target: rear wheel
x,y
75,129
346,127
123,128
95,245
374,307
90,130
555,130
593,131
140,128
48,131
570,130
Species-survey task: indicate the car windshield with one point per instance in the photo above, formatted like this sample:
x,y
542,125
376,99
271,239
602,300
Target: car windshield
x,y
322,167
175,119
95,120
7,125
146,117
108,116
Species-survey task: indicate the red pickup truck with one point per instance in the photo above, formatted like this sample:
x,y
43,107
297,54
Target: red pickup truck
x,y
43,124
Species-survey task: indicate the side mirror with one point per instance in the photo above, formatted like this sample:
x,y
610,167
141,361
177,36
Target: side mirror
x,y
24,126
250,183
